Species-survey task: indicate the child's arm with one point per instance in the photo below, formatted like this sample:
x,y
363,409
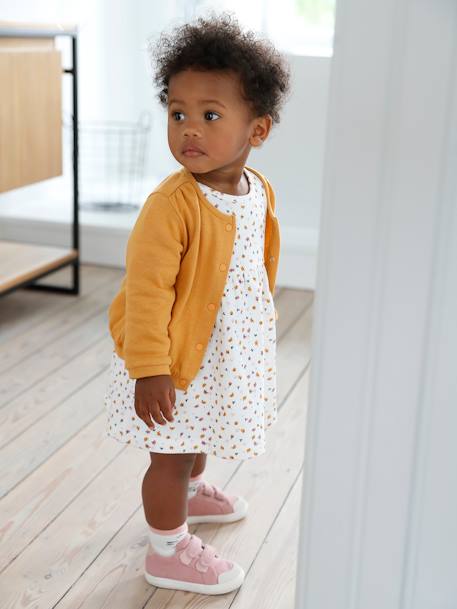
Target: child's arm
x,y
154,399
153,260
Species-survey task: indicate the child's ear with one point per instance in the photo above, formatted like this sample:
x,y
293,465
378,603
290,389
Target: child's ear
x,y
261,129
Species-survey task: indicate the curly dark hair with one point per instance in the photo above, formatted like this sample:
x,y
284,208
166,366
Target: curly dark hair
x,y
217,42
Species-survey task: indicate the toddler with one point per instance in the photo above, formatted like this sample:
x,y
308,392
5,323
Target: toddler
x,y
193,324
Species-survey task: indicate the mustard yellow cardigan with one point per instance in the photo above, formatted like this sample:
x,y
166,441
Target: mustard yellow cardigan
x,y
177,260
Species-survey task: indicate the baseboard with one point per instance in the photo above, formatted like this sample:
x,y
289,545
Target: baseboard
x,y
105,245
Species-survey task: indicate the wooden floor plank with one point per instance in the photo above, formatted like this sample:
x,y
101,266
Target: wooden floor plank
x,y
52,391
40,441
48,567
22,310
47,361
290,304
15,350
42,496
270,582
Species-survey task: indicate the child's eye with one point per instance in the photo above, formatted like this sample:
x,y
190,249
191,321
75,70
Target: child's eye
x,y
208,116
173,114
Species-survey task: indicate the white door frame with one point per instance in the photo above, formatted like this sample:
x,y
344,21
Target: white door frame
x,y
379,508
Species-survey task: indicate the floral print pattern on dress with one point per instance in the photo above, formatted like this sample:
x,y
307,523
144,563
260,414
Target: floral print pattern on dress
x,y
230,403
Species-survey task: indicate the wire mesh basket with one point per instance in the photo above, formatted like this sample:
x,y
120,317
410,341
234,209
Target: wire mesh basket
x,y
112,158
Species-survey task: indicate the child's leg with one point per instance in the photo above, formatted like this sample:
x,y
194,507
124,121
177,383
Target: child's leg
x,y
164,489
176,559
199,465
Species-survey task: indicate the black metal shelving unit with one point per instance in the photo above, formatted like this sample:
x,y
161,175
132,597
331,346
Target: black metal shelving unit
x,y
45,32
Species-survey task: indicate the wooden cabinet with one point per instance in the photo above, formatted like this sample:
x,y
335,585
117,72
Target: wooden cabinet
x,y
31,141
30,113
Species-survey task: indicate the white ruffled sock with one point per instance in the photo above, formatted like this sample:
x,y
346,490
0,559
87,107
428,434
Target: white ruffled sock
x,y
164,542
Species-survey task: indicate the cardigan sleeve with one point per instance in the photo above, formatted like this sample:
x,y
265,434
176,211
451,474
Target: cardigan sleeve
x,y
153,260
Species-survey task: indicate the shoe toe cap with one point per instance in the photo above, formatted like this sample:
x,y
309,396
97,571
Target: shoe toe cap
x,y
240,507
235,574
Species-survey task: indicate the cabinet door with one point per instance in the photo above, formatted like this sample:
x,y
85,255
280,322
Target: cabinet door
x,y
30,116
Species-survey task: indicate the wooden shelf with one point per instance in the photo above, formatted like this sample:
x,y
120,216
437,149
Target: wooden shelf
x,y
22,262
48,29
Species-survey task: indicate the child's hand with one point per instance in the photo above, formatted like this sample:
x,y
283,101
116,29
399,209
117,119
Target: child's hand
x,y
154,399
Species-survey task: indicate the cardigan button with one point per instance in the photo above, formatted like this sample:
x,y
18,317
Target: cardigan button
x,y
182,382
222,267
211,306
228,227
272,258
199,346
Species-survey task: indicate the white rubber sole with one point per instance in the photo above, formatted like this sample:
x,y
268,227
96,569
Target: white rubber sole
x,y
175,584
241,508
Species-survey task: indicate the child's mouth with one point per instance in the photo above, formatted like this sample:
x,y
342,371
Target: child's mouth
x,y
192,153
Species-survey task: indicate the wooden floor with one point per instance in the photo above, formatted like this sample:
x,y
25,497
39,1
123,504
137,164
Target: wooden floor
x,y
72,529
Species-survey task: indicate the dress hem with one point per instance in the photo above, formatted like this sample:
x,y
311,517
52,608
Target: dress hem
x,y
200,449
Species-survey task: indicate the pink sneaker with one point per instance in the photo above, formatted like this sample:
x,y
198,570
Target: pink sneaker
x,y
211,504
194,567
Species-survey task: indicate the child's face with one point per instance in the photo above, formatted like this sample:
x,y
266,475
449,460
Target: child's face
x,y
206,111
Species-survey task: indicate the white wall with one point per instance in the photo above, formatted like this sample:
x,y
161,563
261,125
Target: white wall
x,y
378,520
292,158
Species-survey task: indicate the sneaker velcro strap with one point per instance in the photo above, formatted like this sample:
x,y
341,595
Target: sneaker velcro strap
x,y
206,558
191,550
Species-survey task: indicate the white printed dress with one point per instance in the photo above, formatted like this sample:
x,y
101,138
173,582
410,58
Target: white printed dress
x,y
232,400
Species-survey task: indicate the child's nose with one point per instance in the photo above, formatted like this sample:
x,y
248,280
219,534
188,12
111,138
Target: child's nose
x,y
192,130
